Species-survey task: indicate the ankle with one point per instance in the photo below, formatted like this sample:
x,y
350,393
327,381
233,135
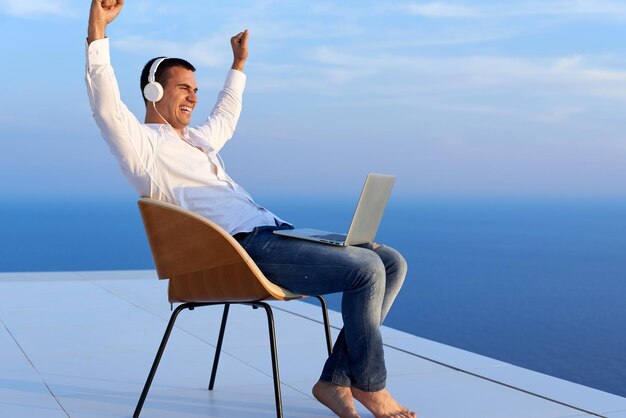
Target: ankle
x,y
336,398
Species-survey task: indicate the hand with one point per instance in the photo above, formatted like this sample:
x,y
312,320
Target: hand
x,y
239,43
101,14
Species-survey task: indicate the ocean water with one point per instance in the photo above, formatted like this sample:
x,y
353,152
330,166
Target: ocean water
x,y
537,283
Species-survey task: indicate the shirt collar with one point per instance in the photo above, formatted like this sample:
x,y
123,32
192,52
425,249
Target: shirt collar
x,y
161,126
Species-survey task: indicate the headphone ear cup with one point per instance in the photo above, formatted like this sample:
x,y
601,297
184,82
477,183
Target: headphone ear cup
x,y
153,92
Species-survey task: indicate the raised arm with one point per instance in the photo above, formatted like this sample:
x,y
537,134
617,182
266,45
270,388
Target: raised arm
x,y
222,122
102,13
129,141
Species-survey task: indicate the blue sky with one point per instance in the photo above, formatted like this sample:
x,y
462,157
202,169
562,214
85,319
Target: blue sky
x,y
458,98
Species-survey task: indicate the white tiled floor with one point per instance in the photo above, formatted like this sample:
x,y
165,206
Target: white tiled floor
x,y
80,344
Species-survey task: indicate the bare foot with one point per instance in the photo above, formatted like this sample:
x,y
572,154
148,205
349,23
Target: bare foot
x,y
336,398
381,404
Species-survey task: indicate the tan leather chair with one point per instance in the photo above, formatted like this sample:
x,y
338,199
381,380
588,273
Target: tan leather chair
x,y
206,266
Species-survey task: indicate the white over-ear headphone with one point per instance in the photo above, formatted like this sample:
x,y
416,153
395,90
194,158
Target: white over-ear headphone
x,y
153,91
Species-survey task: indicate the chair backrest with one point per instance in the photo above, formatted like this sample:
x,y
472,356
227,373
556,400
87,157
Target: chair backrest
x,y
201,260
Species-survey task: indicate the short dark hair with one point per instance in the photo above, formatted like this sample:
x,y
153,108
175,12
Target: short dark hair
x,y
161,71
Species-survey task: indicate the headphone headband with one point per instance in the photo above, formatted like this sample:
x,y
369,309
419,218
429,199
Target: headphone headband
x,y
153,69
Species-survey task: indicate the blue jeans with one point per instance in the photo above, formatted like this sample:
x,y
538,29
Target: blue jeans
x,y
369,278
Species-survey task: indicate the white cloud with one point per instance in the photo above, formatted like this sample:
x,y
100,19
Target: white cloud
x,y
442,9
565,7
562,113
402,77
208,52
33,8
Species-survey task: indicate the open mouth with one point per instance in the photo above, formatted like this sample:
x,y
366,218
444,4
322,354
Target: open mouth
x,y
185,109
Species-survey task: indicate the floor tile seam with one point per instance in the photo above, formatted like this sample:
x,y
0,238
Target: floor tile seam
x,y
304,316
34,368
127,300
307,395
498,382
283,383
244,362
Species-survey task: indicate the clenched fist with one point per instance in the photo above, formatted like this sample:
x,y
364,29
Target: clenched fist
x,y
101,14
239,43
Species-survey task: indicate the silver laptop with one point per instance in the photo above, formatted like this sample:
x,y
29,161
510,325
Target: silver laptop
x,y
366,218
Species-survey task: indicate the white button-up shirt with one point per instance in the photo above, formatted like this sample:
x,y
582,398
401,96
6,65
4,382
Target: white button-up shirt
x,y
161,165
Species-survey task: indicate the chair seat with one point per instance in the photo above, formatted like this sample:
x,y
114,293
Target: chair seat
x,y
214,286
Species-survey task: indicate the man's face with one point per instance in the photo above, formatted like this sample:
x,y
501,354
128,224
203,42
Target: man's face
x,y
179,97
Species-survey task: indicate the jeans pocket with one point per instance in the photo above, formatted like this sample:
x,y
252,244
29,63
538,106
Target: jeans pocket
x,y
246,240
262,231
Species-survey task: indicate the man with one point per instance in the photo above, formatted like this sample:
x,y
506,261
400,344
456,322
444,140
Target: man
x,y
165,159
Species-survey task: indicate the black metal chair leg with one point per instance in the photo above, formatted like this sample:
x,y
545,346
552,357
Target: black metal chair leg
x,y
329,341
218,348
157,359
270,323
